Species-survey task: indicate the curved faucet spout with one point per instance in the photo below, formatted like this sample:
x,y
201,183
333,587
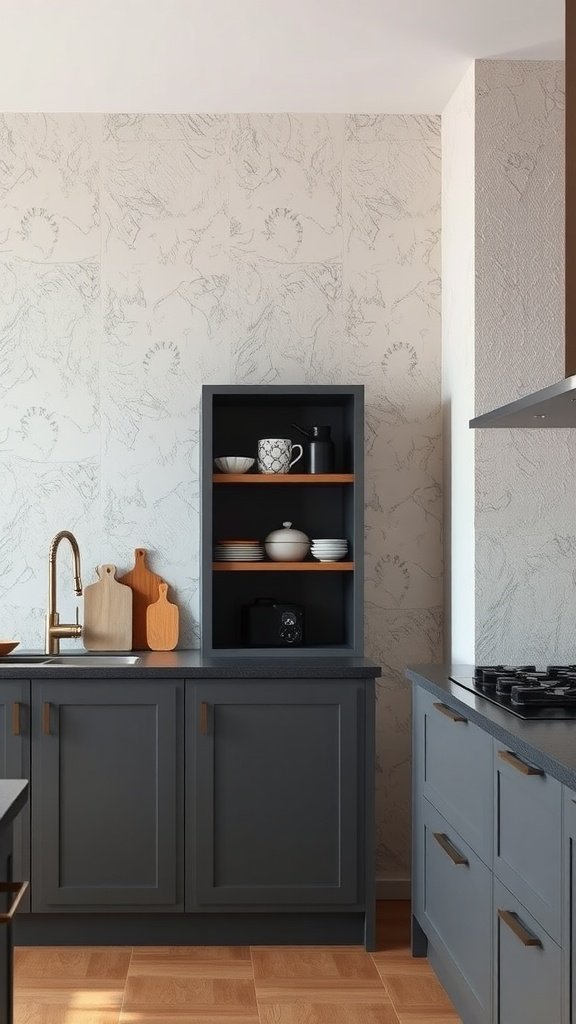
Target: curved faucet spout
x,y
55,631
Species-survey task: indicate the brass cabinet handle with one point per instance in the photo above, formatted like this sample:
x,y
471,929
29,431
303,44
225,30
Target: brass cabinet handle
x,y
527,938
204,718
452,715
19,888
455,856
46,709
516,762
16,718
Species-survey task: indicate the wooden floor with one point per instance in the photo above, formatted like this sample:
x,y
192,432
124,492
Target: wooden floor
x,y
233,985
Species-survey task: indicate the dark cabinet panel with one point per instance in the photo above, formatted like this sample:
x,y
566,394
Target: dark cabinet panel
x,y
569,906
528,971
107,795
528,836
454,770
15,764
457,908
274,793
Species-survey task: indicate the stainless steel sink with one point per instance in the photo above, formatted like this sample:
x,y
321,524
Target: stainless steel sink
x,y
69,661
91,660
23,660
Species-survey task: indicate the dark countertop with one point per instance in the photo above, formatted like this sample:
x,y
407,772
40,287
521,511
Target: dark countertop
x,y
549,745
191,665
13,796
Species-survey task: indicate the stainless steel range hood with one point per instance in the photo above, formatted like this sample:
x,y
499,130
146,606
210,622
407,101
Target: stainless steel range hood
x,y
555,406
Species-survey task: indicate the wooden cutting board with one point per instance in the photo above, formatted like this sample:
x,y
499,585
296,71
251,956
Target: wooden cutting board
x,y
107,613
144,586
162,620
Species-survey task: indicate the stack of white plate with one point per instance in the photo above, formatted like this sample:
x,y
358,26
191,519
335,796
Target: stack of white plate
x,y
239,551
329,549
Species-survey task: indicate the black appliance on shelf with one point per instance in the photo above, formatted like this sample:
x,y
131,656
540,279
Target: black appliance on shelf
x,y
549,695
269,623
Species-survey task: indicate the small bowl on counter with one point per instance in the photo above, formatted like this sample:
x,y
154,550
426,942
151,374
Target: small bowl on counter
x,y
234,464
287,545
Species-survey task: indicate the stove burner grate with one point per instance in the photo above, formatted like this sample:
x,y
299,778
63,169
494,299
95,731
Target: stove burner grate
x,y
523,686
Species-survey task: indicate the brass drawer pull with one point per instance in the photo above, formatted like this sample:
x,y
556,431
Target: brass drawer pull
x,y
46,710
16,718
527,938
204,718
452,715
455,856
516,762
19,888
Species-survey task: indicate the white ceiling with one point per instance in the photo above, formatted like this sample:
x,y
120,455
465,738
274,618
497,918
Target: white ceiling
x,y
259,55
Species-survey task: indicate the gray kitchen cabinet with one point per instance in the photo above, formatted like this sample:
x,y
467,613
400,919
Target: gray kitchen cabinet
x,y
528,965
15,764
569,906
275,784
527,836
454,770
455,889
107,795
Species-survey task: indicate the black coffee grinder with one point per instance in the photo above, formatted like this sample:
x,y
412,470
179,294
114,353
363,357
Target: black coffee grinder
x,y
319,450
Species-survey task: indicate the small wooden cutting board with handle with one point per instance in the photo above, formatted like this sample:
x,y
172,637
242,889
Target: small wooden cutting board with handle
x,y
162,619
144,586
107,613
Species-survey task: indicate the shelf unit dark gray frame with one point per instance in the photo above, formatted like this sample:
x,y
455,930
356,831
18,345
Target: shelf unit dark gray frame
x,y
350,397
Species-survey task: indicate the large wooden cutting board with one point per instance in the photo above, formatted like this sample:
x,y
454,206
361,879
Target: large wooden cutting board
x,y
107,613
162,620
144,585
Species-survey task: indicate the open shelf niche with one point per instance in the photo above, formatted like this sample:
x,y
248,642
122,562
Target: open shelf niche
x,y
252,505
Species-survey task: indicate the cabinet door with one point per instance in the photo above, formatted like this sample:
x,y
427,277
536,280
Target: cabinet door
x,y
274,791
107,803
457,909
453,766
528,970
527,836
569,905
15,764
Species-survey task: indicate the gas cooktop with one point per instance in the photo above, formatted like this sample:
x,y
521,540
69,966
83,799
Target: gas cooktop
x,y
525,692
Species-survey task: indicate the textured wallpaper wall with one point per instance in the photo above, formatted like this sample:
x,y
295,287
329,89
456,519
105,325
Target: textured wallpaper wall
x,y
144,255
525,479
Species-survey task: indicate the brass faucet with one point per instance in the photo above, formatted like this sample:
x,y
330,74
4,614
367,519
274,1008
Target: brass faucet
x,y
55,631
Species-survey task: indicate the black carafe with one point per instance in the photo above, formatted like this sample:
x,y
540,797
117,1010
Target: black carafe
x,y
319,450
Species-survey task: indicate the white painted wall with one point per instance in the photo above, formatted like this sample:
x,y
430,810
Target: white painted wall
x,y
458,301
255,55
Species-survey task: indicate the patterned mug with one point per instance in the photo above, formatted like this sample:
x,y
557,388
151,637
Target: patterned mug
x,y
275,453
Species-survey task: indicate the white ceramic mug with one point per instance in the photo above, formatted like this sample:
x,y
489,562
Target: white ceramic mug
x,y
275,453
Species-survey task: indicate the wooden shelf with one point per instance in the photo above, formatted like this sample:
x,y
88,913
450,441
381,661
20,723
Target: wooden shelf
x,y
283,566
283,478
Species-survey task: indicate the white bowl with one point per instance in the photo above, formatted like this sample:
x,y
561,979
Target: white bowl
x,y
234,464
329,540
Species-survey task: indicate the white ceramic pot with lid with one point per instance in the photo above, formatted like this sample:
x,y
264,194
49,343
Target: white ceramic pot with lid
x,y
287,545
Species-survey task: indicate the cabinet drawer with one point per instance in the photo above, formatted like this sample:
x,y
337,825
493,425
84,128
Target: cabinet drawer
x,y
528,836
453,760
528,970
569,905
456,905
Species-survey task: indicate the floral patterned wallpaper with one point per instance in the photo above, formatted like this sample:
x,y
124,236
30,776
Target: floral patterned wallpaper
x,y
144,255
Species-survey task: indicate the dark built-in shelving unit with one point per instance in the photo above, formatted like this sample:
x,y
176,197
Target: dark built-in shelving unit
x,y
252,505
